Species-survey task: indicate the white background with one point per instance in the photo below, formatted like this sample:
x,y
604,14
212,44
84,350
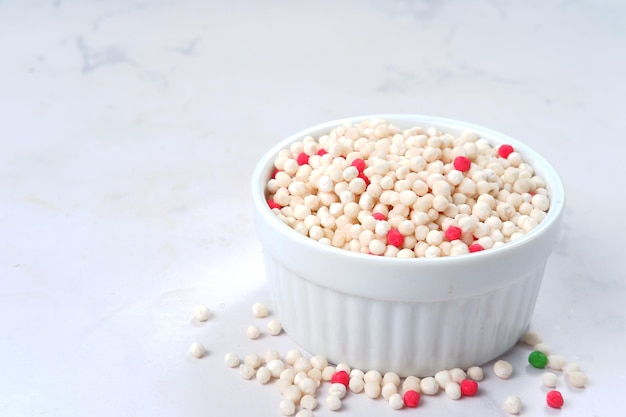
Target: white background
x,y
128,133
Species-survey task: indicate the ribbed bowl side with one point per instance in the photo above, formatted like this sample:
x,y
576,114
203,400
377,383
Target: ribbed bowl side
x,y
407,338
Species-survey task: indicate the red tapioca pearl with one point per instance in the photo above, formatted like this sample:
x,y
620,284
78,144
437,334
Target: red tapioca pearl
x,y
273,204
469,387
379,216
322,152
302,158
340,377
359,164
475,247
462,163
453,233
554,399
505,150
395,238
411,398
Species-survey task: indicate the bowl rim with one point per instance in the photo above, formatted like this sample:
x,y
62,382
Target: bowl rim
x,y
554,184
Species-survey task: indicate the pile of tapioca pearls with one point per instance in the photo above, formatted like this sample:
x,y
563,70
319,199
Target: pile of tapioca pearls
x,y
374,188
298,378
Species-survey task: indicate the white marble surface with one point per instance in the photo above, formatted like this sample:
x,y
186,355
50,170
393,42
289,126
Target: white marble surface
x,y
129,130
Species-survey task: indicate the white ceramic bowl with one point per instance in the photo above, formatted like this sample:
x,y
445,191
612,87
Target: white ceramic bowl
x,y
411,316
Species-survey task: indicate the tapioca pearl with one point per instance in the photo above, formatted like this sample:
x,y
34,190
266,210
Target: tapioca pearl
x,y
290,167
515,199
538,215
246,371
435,167
337,149
459,199
388,390
272,186
527,223
432,252
308,402
346,197
457,375
550,379
523,185
354,231
350,173
197,350
366,237
431,154
419,187
443,378
279,161
327,221
455,177
481,210
540,183
263,375
389,197
253,360
312,202
453,390
515,159
516,236
301,228
424,203
577,379
502,369
471,150
543,348
300,212
475,373
496,236
386,183
512,404
406,253
325,184
327,199
485,241
467,223
480,230
288,374
467,187
351,210
382,228
377,247
458,248
434,237
292,393
540,201
357,186
429,386
483,187
295,201
303,173
412,383
282,197
419,218
441,187
253,332
493,223
440,203
556,362
406,227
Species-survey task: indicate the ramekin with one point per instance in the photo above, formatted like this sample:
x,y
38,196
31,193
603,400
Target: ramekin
x,y
409,316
